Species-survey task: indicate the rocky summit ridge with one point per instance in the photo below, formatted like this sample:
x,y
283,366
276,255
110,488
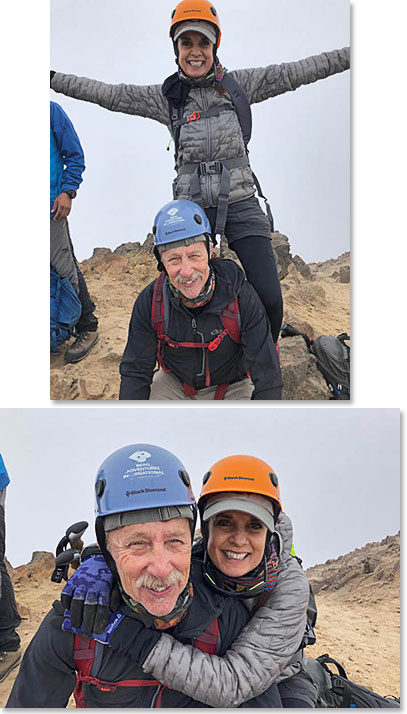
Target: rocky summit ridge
x,y
366,575
316,301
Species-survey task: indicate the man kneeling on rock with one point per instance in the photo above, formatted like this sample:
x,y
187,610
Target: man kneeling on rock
x,y
146,514
201,320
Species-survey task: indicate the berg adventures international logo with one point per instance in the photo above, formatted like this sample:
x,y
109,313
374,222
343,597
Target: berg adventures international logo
x,y
140,456
172,211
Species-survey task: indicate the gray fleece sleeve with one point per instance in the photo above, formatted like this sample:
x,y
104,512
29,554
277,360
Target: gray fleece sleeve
x,y
144,101
265,82
256,657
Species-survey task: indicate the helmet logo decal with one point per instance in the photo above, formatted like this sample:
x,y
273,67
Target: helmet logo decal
x,y
140,456
238,478
172,211
133,492
142,468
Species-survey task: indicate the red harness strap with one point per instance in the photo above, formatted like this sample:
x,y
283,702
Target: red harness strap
x,y
230,319
84,654
208,640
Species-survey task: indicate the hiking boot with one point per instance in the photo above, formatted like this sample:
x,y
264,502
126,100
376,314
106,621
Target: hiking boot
x,y
8,660
81,347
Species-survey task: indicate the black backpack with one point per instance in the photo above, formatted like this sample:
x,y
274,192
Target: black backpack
x,y
333,359
336,691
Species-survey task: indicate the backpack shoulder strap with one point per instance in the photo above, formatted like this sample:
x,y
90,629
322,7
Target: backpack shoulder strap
x,y
209,640
175,119
231,320
241,104
157,305
326,659
83,655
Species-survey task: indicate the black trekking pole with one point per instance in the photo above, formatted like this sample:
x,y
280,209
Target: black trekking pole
x,y
290,331
64,555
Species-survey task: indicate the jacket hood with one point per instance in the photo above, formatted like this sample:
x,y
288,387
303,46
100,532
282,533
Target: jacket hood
x,y
284,530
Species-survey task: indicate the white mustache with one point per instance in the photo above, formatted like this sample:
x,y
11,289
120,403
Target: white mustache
x,y
150,581
194,276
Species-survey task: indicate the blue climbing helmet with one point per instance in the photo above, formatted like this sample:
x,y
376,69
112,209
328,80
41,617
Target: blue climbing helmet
x,y
141,483
180,222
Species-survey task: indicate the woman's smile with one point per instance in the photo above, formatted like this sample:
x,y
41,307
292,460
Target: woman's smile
x,y
195,54
236,542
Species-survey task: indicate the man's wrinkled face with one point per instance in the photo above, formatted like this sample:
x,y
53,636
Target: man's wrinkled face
x,y
153,561
187,268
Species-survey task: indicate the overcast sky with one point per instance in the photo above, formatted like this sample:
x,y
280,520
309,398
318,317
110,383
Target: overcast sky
x,y
300,148
338,468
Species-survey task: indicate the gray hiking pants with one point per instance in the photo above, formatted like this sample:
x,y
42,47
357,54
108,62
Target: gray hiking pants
x,y
61,254
166,386
9,617
62,258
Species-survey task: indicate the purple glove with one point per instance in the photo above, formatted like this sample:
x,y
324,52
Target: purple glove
x,y
114,621
89,594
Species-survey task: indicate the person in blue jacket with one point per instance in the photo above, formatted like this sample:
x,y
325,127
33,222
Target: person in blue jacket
x,y
67,167
10,652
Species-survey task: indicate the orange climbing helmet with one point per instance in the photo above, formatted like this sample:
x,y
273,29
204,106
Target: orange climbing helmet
x,y
240,474
195,11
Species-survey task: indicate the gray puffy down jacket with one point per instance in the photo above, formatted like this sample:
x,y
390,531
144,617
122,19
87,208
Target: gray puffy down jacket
x,y
213,138
265,652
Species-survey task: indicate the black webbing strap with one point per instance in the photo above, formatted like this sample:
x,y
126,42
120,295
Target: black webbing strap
x,y
260,193
209,168
326,659
211,112
213,167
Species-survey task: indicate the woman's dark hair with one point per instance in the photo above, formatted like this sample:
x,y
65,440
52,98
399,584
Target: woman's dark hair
x,y
220,89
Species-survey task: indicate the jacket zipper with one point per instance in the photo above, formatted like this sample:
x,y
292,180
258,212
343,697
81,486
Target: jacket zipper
x,y
208,148
195,332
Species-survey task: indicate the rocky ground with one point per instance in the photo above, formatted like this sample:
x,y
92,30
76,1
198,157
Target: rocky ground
x,y
358,602
358,597
316,301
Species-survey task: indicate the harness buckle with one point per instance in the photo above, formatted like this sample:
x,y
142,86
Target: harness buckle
x,y
214,344
194,116
210,167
